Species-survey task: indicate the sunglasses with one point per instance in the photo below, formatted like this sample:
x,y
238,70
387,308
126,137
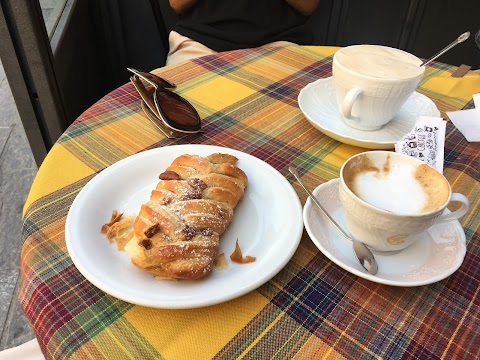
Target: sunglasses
x,y
170,112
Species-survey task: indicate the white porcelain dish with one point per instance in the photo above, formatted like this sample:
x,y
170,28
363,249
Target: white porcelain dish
x,y
438,254
267,223
319,105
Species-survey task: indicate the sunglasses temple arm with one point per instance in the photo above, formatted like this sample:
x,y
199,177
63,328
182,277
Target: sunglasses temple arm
x,y
143,76
146,97
153,79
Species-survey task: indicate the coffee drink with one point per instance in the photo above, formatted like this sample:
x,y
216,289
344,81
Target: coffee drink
x,y
409,188
380,62
389,199
372,83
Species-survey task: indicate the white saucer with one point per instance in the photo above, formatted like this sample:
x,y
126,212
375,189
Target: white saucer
x,y
438,254
318,102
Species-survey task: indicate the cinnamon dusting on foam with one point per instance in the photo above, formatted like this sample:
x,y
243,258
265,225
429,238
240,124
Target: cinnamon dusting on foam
x,y
356,167
397,188
434,185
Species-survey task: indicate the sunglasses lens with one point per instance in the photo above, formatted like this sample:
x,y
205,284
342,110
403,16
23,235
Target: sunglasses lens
x,y
177,112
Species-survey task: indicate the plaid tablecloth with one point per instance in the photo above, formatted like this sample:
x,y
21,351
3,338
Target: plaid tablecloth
x,y
312,309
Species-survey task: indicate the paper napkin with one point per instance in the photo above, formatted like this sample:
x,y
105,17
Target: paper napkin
x,y
425,142
468,121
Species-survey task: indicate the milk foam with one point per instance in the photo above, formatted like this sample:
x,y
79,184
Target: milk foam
x,y
379,62
396,191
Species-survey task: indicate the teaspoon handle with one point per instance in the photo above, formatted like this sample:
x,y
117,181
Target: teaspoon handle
x,y
457,41
314,199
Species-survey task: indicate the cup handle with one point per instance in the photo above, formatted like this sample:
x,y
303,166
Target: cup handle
x,y
348,101
457,213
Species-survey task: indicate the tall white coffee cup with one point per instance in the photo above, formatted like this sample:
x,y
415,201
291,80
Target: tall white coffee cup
x,y
372,83
389,199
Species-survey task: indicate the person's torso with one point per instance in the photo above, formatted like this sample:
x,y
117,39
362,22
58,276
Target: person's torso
x,y
233,24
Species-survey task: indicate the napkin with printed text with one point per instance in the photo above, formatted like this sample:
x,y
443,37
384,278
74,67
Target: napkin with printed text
x,y
425,142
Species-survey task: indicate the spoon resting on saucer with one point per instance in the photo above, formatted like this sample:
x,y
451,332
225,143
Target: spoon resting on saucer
x,y
361,251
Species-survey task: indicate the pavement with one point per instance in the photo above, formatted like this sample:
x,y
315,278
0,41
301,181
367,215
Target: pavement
x,y
17,171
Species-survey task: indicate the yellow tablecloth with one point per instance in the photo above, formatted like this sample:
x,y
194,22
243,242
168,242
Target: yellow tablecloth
x,y
312,308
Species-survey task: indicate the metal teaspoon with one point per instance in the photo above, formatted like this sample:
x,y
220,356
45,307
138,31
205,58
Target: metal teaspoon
x,y
459,40
361,251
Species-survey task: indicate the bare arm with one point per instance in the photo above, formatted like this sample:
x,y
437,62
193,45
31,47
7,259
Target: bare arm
x,y
180,6
304,7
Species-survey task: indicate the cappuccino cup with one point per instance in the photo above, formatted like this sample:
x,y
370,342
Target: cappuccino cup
x,y
373,82
390,199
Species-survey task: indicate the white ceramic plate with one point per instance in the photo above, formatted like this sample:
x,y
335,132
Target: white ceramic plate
x,y
319,105
267,223
438,253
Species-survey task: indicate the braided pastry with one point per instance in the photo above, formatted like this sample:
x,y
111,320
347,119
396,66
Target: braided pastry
x,y
177,232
